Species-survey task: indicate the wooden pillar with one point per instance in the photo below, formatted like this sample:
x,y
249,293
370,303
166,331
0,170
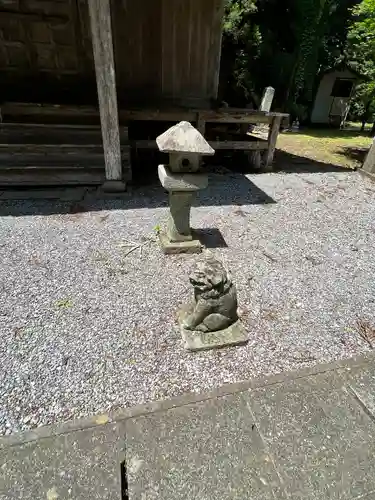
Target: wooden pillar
x,y
255,159
272,139
201,124
101,33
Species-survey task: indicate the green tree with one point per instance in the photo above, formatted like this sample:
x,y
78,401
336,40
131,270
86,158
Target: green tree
x,y
285,44
333,44
361,52
241,41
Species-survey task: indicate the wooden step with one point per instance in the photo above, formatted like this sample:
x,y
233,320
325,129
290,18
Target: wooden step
x,y
19,155
40,155
44,113
62,149
59,154
41,176
18,133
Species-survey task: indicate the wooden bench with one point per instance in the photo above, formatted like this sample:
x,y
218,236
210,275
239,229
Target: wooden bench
x,y
205,121
222,116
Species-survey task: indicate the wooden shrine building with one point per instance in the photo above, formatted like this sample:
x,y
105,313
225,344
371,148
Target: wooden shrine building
x,y
76,74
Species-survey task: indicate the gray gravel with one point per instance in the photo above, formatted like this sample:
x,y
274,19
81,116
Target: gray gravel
x,y
87,328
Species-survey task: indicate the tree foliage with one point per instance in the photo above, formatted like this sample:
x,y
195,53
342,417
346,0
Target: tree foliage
x,y
361,53
287,44
241,42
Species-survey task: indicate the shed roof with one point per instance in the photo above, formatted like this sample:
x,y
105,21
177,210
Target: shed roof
x,y
342,66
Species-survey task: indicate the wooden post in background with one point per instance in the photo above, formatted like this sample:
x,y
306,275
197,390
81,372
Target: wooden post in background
x,y
201,124
101,33
272,139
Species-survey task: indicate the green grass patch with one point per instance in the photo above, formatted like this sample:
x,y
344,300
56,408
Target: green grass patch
x,y
343,148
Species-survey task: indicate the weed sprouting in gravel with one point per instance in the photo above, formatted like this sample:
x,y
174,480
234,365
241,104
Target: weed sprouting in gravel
x,y
366,330
64,304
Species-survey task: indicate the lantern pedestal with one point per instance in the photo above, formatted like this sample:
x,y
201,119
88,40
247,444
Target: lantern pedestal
x,y
178,236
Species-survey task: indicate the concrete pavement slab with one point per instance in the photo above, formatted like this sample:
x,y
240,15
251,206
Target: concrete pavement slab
x,y
204,451
322,441
306,435
80,465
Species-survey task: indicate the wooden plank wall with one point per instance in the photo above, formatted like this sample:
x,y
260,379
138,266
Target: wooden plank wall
x,y
137,48
168,49
191,46
164,49
42,51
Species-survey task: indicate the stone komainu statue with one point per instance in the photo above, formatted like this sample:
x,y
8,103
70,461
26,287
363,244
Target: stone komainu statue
x,y
215,306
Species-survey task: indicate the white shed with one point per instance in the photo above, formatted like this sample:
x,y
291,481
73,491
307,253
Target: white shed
x,y
332,99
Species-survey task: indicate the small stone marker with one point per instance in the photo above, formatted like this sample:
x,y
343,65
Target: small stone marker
x,y
267,99
211,320
181,178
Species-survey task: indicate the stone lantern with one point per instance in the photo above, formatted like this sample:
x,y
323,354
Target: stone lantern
x,y
182,179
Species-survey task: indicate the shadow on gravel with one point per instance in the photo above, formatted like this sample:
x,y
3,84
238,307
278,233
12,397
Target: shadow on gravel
x,y
357,154
211,238
224,189
295,164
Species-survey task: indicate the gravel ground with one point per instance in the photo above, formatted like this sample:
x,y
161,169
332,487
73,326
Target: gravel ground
x,y
87,326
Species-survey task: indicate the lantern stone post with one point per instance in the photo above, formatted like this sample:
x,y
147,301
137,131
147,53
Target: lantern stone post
x,y
182,179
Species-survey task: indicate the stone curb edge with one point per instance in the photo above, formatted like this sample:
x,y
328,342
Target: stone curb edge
x,y
186,399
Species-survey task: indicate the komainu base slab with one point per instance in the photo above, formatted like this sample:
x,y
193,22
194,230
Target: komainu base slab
x,y
234,335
